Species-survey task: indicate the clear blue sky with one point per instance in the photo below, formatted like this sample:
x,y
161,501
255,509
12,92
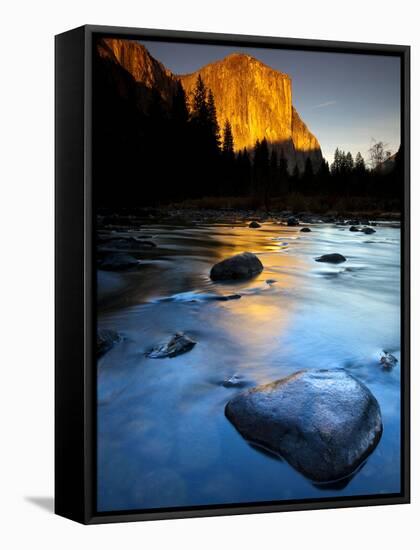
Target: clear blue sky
x,y
345,99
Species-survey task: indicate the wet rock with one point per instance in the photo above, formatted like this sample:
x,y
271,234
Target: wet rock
x,y
388,361
353,222
292,221
118,261
368,230
354,228
254,224
178,344
241,266
271,281
306,230
105,340
234,381
325,423
331,258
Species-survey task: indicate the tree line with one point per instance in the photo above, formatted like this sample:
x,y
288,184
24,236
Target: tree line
x,y
174,151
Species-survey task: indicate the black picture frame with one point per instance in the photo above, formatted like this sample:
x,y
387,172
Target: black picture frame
x,y
75,329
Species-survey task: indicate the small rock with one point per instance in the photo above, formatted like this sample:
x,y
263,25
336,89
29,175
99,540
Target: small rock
x,y
306,230
354,228
325,423
178,344
254,224
241,266
292,221
368,230
331,258
271,281
388,361
235,381
105,340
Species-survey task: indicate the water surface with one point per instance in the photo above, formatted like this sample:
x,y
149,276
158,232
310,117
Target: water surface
x,y
163,439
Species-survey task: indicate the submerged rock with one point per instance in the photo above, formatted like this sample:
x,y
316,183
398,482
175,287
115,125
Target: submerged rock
x,y
325,423
331,258
126,243
118,261
178,344
105,340
388,361
368,230
306,230
241,266
254,224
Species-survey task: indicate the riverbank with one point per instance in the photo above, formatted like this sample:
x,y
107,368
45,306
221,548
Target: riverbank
x,y
133,217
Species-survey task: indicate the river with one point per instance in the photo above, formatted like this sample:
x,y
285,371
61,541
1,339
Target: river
x,y
163,438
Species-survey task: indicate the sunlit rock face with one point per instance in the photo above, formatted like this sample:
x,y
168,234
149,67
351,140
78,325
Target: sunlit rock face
x,y
256,99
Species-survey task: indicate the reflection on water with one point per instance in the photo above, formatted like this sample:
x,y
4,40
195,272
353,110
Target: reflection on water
x,y
163,439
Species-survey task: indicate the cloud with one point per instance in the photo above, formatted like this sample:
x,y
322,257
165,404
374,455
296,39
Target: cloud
x,y
326,104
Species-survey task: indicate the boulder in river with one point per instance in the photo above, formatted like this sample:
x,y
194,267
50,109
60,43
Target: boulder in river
x,y
388,361
235,381
254,225
331,258
306,230
368,230
240,266
118,261
178,344
325,423
105,340
354,228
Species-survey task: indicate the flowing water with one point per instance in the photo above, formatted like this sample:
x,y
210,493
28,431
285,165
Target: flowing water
x,y
163,438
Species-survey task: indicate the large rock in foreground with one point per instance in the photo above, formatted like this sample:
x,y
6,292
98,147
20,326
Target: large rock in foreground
x,y
241,266
323,422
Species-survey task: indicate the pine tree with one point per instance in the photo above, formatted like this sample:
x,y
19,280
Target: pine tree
x,y
308,172
283,166
199,103
228,144
212,114
349,163
283,173
179,105
359,164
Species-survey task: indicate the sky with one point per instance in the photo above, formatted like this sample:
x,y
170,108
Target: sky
x,y
346,100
